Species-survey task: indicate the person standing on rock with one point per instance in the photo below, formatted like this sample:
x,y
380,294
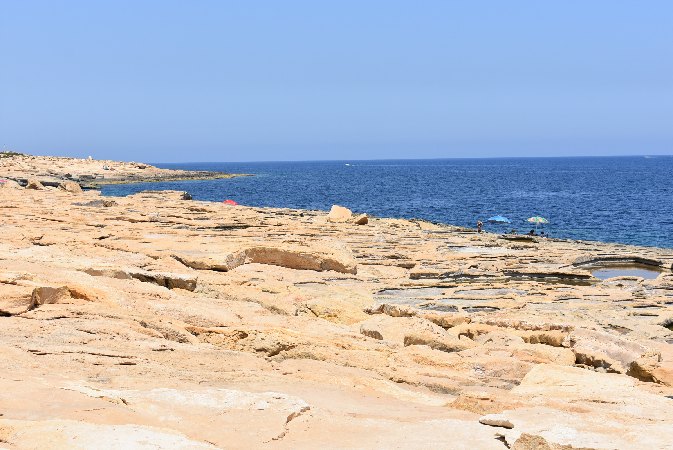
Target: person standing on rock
x,y
480,225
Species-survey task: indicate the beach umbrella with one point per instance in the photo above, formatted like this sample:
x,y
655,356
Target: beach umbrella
x,y
498,219
230,202
537,220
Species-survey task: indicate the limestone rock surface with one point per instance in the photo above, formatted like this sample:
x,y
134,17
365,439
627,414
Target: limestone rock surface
x,y
154,320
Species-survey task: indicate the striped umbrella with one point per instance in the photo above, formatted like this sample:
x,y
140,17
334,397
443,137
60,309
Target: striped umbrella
x,y
537,220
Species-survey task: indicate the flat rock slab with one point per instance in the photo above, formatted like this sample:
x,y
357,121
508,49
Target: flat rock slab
x,y
71,434
582,408
218,415
308,257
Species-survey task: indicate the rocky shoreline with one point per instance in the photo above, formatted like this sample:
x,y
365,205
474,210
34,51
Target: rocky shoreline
x,y
157,320
50,171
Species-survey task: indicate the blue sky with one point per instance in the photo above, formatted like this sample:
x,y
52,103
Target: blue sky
x,y
170,81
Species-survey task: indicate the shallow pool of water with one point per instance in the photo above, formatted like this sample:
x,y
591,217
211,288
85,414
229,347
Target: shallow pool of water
x,y
479,250
632,270
421,292
490,292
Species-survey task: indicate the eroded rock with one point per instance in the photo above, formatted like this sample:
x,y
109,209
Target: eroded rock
x,y
34,183
339,214
362,219
49,295
601,349
70,186
411,331
496,420
167,280
9,184
338,260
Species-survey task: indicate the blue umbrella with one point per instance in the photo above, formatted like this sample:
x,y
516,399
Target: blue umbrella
x,y
498,219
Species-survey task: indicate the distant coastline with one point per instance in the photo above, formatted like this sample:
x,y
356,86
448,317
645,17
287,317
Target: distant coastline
x,y
90,173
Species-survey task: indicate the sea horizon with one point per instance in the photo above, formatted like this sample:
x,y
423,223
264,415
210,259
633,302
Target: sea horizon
x,y
449,158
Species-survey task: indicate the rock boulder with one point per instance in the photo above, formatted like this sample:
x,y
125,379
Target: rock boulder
x,y
339,214
34,183
49,295
303,258
362,219
408,331
9,184
70,186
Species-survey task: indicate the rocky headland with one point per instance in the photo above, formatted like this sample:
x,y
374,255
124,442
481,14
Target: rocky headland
x,y
90,173
155,321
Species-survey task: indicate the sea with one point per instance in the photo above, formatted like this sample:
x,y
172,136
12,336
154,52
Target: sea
x,y
611,199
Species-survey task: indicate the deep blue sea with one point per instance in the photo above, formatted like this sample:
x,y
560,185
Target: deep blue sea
x,y
612,199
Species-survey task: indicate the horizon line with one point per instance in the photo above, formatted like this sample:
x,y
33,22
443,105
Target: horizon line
x,y
646,156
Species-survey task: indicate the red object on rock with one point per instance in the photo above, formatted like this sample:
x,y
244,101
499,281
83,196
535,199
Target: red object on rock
x,y
230,202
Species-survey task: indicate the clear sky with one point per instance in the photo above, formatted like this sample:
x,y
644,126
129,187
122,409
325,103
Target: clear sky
x,y
220,80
